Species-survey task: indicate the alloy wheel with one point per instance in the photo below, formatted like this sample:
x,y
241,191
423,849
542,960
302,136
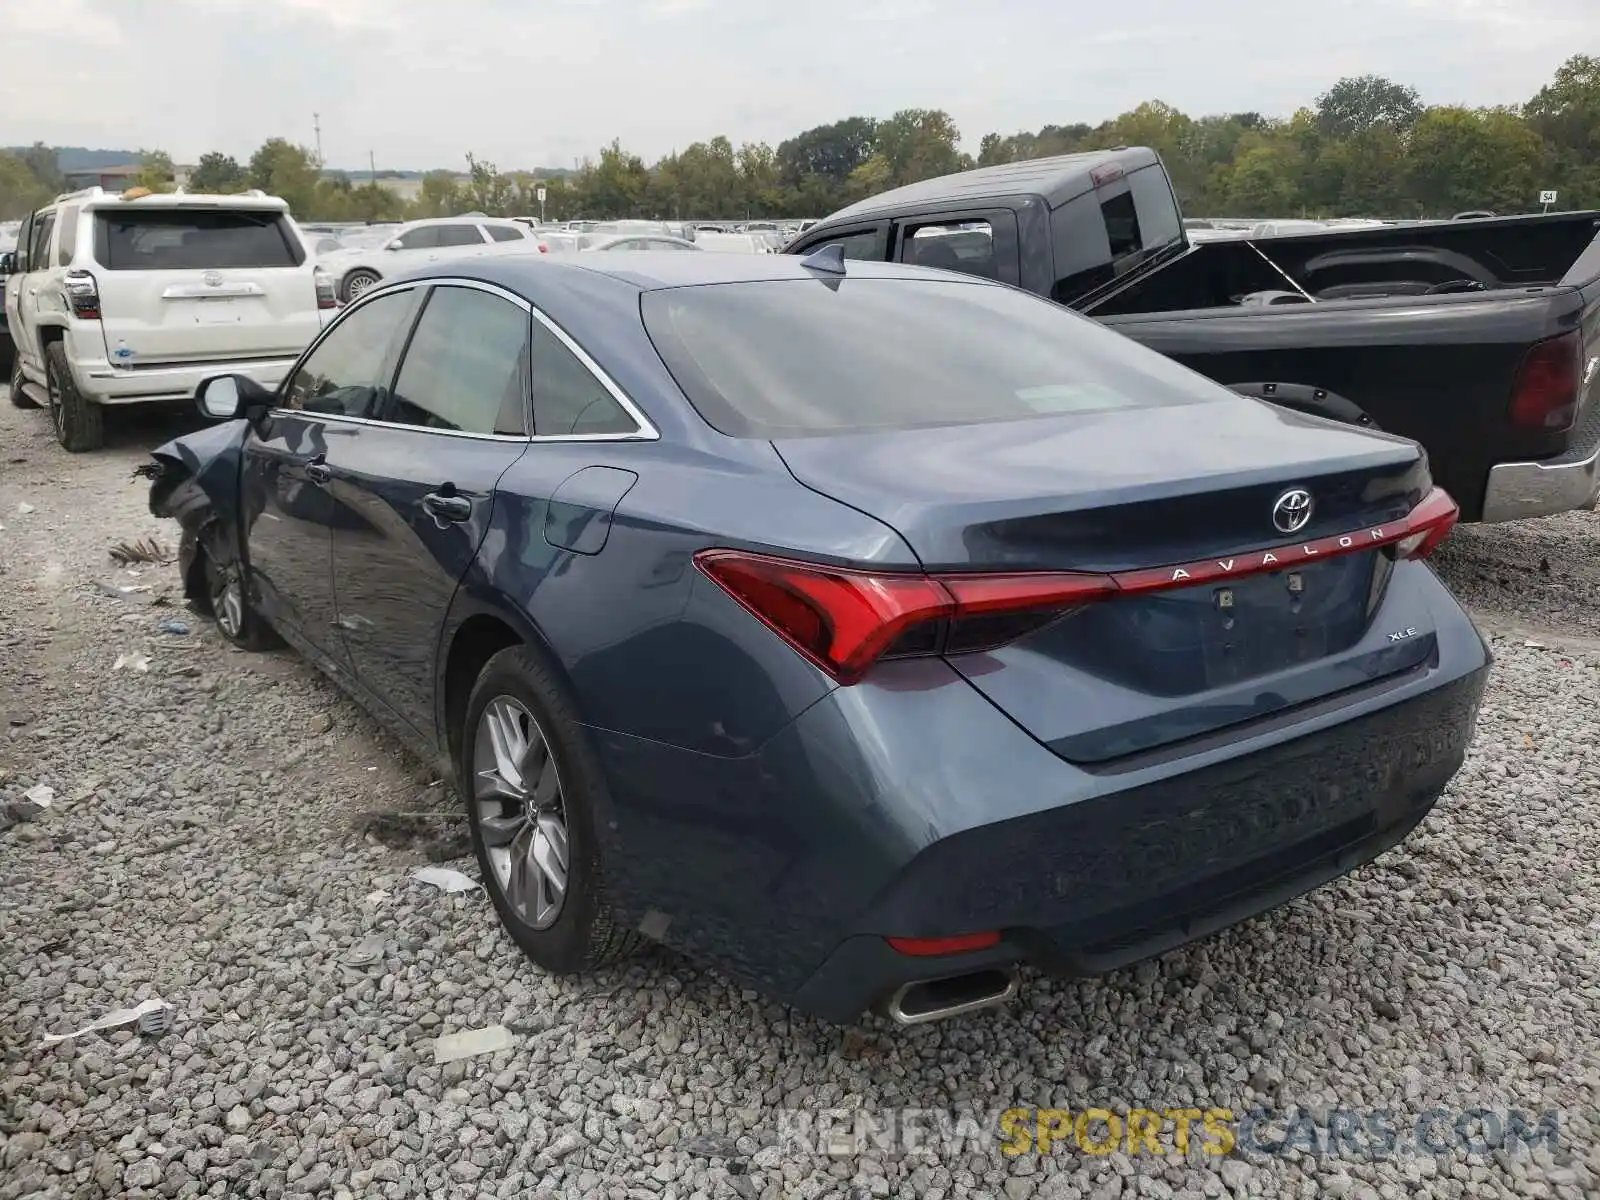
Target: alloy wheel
x,y
521,817
227,600
52,391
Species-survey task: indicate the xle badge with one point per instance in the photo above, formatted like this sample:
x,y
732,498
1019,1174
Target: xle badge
x,y
1403,634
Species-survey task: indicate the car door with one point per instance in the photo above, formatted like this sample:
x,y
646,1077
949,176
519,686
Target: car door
x,y
419,482
980,242
32,281
14,282
290,512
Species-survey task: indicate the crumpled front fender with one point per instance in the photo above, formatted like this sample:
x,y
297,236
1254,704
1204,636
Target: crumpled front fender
x,y
196,476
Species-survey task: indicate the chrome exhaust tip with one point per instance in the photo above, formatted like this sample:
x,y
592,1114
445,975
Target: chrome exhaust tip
x,y
935,999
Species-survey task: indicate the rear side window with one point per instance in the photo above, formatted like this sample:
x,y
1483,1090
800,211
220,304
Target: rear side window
x,y
179,239
793,358
505,233
66,244
466,369
568,399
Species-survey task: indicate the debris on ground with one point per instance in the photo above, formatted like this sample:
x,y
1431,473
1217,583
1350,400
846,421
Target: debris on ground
x,y
471,1043
126,554
171,625
152,1018
24,509
446,879
133,662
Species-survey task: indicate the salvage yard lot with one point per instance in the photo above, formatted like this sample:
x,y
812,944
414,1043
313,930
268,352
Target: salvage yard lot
x,y
228,833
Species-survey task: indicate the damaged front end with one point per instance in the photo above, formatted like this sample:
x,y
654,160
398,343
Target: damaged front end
x,y
194,479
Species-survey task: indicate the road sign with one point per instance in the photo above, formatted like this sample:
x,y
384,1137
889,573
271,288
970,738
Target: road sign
x,y
539,192
1547,197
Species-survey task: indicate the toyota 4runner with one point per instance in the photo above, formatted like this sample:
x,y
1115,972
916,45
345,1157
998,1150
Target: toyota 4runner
x,y
115,300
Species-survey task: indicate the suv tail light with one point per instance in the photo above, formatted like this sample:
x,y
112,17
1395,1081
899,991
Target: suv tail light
x,y
844,619
1545,397
83,295
327,297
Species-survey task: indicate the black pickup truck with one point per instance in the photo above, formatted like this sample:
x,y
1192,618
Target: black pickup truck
x,y
1479,339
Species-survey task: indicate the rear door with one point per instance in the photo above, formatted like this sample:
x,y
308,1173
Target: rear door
x,y
201,284
979,242
290,512
418,481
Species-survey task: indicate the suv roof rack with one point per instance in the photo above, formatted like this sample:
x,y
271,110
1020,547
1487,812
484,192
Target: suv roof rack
x,y
88,193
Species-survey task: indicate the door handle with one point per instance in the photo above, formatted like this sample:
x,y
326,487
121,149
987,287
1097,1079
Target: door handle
x,y
448,508
318,472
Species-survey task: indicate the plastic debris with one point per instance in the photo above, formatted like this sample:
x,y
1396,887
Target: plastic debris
x,y
133,662
129,588
24,509
371,949
40,797
152,1018
377,897
173,626
472,1042
445,879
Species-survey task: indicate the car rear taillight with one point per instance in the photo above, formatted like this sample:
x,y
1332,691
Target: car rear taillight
x,y
83,295
845,619
327,296
543,249
1545,397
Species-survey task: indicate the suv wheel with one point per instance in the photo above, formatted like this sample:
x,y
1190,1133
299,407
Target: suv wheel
x,y
80,423
18,397
530,780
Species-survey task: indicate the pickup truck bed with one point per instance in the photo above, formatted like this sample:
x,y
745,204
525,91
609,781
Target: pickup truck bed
x,y
1478,339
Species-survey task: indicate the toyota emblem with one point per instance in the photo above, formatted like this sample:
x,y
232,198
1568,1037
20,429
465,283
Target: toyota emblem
x,y
213,278
1292,512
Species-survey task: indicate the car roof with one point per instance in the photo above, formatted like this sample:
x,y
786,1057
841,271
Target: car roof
x,y
534,275
1058,179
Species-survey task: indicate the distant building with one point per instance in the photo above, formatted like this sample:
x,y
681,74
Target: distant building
x,y
118,178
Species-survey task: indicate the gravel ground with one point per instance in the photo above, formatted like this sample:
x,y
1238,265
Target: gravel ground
x,y
231,835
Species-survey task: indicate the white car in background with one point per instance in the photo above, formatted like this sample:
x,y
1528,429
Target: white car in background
x,y
421,242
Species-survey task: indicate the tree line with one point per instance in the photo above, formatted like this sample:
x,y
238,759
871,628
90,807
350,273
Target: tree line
x,y
1367,147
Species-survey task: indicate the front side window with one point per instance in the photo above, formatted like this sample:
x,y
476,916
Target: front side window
x,y
460,235
568,398
347,373
466,369
425,238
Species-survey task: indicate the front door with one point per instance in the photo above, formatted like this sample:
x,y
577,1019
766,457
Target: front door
x,y
418,484
290,513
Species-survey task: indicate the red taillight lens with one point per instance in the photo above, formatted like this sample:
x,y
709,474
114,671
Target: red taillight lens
x,y
1546,393
961,943
83,295
543,249
1427,525
844,619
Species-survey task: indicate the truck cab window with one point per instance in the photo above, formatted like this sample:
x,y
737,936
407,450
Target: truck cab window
x,y
1122,225
966,246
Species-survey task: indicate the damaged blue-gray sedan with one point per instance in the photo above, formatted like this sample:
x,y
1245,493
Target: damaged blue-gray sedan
x,y
865,631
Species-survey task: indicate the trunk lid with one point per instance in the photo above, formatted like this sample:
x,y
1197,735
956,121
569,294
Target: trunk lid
x,y
196,284
1142,490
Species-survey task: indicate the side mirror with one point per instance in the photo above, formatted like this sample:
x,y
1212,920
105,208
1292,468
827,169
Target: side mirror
x,y
394,245
8,262
227,397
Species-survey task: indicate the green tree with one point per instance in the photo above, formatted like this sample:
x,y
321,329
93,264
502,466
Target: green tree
x,y
156,171
918,143
280,168
1360,103
44,164
217,173
1466,158
21,191
439,196
487,191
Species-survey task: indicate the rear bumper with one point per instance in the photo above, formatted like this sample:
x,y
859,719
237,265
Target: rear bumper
x,y
909,806
1542,489
106,384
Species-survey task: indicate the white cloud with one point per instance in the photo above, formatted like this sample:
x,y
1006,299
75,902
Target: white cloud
x,y
420,83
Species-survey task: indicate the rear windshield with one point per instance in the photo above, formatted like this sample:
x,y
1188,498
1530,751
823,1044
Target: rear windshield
x,y
193,239
794,358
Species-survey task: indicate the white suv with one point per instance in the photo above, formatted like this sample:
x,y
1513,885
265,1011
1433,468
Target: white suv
x,y
127,301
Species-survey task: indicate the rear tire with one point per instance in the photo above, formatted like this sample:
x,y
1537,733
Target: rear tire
x,y
18,397
80,423
222,593
357,282
530,779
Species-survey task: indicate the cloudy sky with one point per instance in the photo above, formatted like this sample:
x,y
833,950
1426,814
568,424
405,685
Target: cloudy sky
x,y
538,82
